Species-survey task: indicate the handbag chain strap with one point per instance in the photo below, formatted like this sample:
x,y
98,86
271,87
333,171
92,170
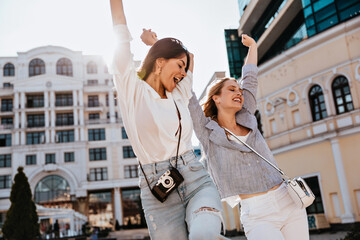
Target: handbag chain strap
x,y
177,149
263,158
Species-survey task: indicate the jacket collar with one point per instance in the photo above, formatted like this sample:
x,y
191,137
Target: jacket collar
x,y
218,137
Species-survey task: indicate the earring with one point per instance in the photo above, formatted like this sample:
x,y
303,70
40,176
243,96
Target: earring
x,y
158,71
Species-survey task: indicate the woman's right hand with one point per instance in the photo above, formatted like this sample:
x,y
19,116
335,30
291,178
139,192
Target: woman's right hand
x,y
247,41
148,37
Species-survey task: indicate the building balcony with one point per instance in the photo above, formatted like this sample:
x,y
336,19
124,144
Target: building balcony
x,y
313,131
34,105
96,121
6,126
7,109
64,123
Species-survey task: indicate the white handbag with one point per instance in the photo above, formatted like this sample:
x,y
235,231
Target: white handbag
x,y
298,190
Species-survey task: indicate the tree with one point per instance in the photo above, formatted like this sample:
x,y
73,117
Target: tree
x,y
21,219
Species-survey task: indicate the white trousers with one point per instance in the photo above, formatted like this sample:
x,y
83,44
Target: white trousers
x,y
274,216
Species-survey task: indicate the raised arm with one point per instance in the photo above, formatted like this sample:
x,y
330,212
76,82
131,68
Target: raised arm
x,y
117,12
248,81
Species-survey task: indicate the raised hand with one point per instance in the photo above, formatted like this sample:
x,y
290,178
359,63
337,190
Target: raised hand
x,y
247,41
148,37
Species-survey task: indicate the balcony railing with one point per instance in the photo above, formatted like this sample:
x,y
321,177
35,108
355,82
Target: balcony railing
x,y
6,109
64,123
90,105
96,121
6,126
62,103
34,105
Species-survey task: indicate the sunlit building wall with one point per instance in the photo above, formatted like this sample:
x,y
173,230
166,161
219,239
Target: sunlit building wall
x,y
60,121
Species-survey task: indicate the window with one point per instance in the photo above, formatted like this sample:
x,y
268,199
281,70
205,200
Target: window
x,y
5,160
317,206
7,121
5,181
123,133
69,157
93,101
64,67
65,136
35,120
128,152
35,138
98,174
131,171
34,101
91,68
321,15
6,105
92,82
52,188
64,99
342,95
5,140
30,159
317,103
9,70
96,134
50,158
36,67
93,116
97,154
64,119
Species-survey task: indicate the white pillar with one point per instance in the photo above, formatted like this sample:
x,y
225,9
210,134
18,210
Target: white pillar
x,y
52,124
117,204
46,99
52,99
76,117
22,100
76,134
348,217
22,138
81,98
111,106
75,99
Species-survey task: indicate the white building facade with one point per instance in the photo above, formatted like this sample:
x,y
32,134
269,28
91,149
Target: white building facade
x,y
60,121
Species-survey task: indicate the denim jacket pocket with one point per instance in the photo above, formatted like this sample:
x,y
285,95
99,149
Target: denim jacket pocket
x,y
195,165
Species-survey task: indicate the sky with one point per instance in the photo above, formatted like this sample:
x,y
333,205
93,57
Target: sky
x,y
86,26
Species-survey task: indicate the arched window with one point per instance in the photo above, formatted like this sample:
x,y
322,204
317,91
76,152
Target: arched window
x,y
64,67
9,70
91,67
52,188
342,96
317,103
36,67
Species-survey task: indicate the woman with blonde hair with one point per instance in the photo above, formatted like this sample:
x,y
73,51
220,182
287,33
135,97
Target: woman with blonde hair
x,y
267,210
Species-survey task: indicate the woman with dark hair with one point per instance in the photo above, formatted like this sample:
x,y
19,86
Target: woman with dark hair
x,y
179,199
267,210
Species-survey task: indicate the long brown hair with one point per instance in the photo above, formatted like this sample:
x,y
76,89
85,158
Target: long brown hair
x,y
166,48
209,106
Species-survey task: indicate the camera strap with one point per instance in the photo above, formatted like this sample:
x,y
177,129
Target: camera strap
x,y
178,145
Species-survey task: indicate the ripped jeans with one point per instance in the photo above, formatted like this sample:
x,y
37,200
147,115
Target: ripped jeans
x,y
193,211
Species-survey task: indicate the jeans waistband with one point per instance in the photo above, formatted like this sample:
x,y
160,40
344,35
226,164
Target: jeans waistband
x,y
183,159
281,190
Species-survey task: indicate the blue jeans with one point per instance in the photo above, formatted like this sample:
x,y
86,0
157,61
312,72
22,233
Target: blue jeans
x,y
192,211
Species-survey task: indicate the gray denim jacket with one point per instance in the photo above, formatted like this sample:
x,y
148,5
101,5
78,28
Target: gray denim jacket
x,y
234,168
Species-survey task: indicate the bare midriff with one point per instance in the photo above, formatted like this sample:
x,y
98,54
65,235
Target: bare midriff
x,y
245,196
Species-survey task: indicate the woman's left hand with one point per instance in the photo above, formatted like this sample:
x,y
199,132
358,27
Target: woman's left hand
x,y
148,37
247,41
